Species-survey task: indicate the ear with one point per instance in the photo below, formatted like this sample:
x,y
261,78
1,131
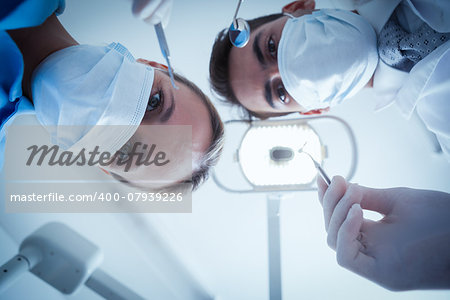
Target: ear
x,y
300,4
153,64
315,111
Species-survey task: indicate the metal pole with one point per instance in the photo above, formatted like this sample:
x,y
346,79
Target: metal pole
x,y
273,226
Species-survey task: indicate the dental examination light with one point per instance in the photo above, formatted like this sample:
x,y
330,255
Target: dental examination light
x,y
65,260
280,156
239,31
284,155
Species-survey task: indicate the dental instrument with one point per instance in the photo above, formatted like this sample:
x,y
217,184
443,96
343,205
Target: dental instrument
x,y
165,50
239,31
318,167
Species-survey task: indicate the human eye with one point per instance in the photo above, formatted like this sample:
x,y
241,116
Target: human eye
x,y
272,47
281,94
155,101
124,152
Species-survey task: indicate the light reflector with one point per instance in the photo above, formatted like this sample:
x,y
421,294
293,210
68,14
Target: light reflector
x,y
256,154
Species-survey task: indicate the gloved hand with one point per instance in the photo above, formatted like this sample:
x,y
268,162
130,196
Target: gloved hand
x,y
153,11
408,249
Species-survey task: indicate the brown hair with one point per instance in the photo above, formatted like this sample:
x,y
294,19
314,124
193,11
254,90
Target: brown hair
x,y
219,66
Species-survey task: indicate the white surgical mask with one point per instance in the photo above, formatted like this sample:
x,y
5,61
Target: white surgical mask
x,y
91,85
326,57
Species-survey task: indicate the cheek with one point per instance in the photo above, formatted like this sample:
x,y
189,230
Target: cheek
x,y
293,106
201,128
149,119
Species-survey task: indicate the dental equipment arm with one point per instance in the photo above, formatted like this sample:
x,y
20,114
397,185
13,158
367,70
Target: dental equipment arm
x,y
65,260
12,270
109,288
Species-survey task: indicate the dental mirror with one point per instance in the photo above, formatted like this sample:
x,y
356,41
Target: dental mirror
x,y
239,31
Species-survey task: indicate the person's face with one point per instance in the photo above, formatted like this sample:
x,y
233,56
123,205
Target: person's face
x,y
254,75
182,106
168,106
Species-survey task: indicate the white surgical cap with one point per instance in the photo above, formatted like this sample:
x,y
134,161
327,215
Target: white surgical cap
x,y
91,85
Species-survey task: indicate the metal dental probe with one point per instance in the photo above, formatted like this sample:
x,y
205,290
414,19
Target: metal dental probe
x,y
318,167
165,50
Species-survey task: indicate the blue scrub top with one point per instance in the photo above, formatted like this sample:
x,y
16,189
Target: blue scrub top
x,y
13,15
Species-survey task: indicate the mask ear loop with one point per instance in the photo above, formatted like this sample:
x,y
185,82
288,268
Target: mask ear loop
x,y
288,15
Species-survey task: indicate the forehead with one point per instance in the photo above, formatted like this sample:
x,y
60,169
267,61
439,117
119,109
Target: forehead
x,y
189,109
192,110
246,75
187,144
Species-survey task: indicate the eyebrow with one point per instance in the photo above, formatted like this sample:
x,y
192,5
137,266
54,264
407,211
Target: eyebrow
x,y
169,111
268,93
257,50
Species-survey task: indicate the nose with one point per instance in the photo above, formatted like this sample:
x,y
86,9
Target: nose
x,y
273,71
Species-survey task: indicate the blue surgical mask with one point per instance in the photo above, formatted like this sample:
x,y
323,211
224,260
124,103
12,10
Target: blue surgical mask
x,y
326,57
91,85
